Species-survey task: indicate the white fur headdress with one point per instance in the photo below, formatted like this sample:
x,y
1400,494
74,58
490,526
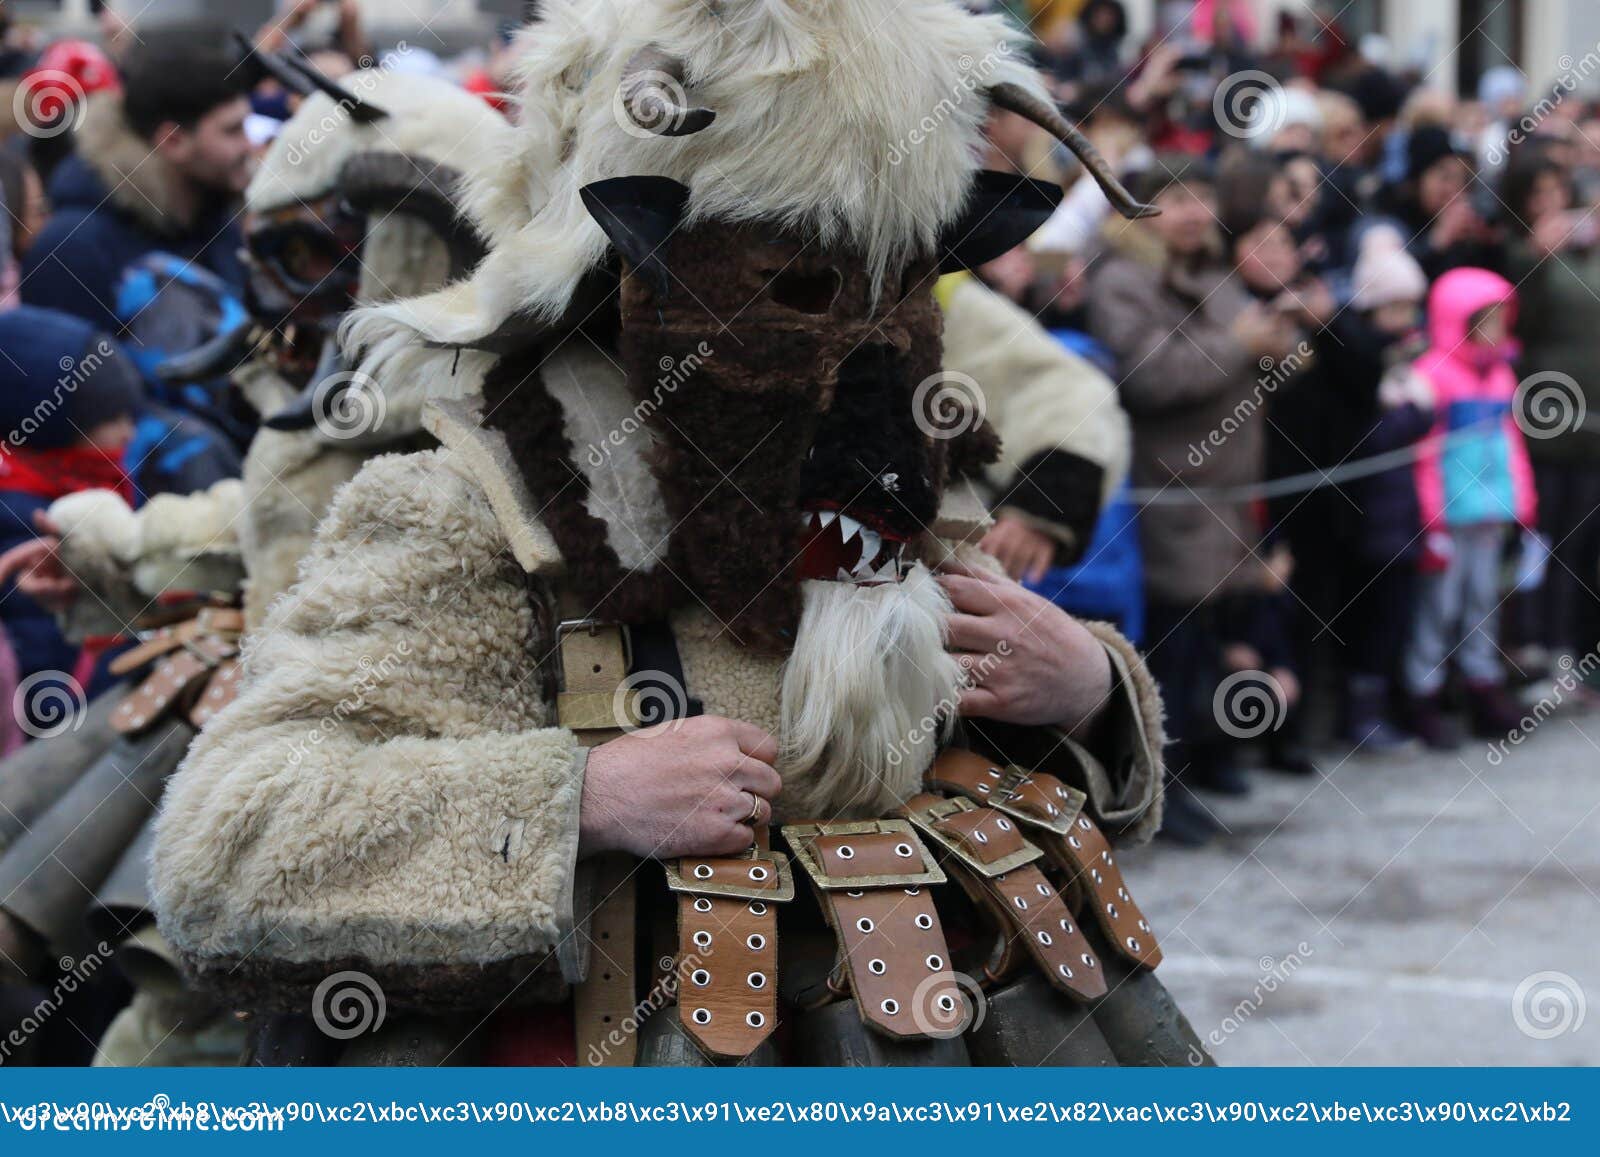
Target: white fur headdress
x,y
858,121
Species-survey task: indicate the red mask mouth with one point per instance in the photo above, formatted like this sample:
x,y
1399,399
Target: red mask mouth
x,y
839,547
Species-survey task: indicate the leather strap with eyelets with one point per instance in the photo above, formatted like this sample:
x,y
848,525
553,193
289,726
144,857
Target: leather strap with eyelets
x,y
892,953
988,856
1053,816
173,678
221,689
728,951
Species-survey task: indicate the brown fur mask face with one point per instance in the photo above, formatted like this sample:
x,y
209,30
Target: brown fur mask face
x,y
798,406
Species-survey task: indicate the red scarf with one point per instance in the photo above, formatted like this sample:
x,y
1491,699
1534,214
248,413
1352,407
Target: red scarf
x,y
53,474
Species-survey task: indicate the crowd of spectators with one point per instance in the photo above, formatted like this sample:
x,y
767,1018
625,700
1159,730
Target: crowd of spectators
x,y
1352,349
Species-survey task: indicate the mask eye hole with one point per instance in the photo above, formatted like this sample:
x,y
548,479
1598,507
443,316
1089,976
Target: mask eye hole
x,y
812,293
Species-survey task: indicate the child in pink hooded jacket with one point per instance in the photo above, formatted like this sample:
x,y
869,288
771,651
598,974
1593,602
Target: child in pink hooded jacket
x,y
1474,486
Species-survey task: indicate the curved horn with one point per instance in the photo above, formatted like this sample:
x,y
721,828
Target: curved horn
x,y
270,64
1014,98
219,356
652,82
361,111
406,183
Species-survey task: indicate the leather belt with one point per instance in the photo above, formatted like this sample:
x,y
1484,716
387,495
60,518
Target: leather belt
x,y
1052,815
728,948
988,856
184,672
873,881
594,699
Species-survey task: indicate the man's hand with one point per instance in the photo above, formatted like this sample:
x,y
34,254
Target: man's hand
x,y
680,789
1029,661
1025,552
37,567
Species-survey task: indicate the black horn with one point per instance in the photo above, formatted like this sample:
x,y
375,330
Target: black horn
x,y
1014,98
649,81
384,182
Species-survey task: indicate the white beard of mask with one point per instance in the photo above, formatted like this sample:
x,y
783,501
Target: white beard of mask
x,y
869,692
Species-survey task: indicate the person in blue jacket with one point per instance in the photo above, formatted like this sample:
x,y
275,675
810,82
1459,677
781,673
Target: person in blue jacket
x,y
158,167
68,400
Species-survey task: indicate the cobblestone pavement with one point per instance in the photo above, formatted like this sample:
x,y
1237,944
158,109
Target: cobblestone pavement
x,y
1421,910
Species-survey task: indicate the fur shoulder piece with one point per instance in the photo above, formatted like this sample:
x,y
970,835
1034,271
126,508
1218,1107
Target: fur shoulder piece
x,y
137,181
482,454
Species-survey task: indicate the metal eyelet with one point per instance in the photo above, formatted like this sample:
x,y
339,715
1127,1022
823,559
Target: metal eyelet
x,y
702,872
702,939
1106,858
935,963
904,851
1066,926
702,905
1020,902
755,1019
994,773
700,978
1062,793
1042,889
1111,910
877,967
1134,945
1122,894
1143,927
984,789
1065,971
756,942
1083,822
1094,874
913,891
1088,961
1072,842
924,920
757,908
845,852
855,895
701,1016
865,925
1052,810
980,837
1003,824
756,980
758,873
890,1006
947,1003
1044,938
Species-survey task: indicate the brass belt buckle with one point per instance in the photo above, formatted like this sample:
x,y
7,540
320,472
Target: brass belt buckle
x,y
767,861
925,820
800,837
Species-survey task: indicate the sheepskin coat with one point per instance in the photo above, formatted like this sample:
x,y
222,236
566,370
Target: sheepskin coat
x,y
391,791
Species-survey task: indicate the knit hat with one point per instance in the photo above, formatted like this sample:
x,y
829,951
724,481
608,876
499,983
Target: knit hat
x,y
1384,272
59,377
1428,145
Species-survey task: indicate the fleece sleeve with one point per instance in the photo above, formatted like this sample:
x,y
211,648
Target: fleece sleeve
x,y
386,795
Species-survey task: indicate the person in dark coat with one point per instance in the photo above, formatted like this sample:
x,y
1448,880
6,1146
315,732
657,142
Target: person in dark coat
x,y
68,399
158,167
1436,206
